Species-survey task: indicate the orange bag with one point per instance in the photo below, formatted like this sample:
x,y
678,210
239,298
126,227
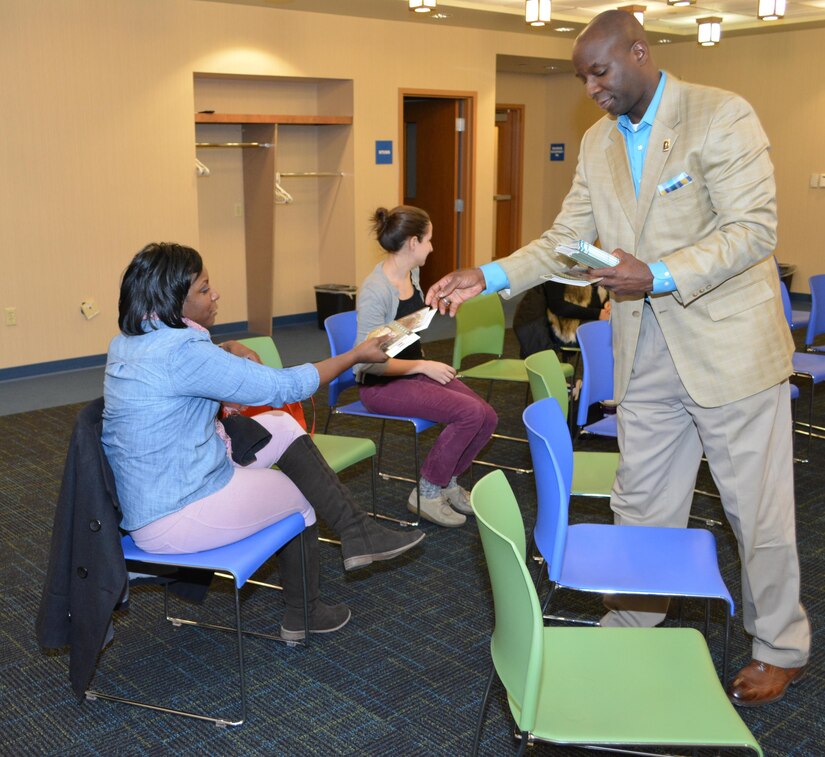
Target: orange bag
x,y
295,409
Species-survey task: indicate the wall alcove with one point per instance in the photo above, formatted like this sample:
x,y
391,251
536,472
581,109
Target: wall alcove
x,y
251,131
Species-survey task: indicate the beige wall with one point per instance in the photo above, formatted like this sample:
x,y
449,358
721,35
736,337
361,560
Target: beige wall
x,y
97,142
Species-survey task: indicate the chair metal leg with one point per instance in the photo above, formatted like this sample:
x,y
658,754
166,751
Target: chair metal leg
x,y
482,709
394,477
239,632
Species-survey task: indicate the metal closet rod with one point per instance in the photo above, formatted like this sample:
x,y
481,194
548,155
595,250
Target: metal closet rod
x,y
304,174
234,144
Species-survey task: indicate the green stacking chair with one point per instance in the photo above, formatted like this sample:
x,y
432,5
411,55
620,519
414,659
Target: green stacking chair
x,y
593,472
479,330
597,687
340,452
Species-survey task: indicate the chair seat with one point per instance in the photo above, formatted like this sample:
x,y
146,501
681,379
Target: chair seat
x,y
594,473
633,686
341,452
503,369
674,562
357,408
241,558
810,364
606,426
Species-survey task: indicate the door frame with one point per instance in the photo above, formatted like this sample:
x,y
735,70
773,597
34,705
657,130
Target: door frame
x,y
517,165
466,177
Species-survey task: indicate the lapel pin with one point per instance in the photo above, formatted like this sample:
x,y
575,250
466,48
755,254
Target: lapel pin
x,y
666,145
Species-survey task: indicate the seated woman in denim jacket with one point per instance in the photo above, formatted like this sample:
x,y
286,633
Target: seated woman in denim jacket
x,y
179,489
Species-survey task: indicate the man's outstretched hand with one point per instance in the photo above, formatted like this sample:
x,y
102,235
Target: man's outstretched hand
x,y
450,291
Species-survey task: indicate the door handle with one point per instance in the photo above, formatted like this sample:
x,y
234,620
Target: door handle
x,y
499,198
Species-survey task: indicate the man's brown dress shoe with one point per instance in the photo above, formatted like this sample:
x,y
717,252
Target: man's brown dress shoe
x,y
759,683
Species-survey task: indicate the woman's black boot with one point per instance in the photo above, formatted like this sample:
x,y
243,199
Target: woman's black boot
x,y
363,541
323,618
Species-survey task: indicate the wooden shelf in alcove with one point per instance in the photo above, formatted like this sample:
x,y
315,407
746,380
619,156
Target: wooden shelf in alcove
x,y
253,118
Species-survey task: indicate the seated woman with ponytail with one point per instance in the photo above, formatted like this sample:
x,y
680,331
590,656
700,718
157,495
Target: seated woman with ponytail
x,y
179,489
409,384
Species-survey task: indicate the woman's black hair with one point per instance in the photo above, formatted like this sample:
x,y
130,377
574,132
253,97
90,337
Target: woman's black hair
x,y
156,284
394,227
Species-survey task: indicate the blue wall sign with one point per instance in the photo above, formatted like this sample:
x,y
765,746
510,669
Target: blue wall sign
x,y
383,152
557,151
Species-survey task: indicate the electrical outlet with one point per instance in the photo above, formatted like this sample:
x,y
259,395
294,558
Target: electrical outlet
x,y
238,210
11,316
89,309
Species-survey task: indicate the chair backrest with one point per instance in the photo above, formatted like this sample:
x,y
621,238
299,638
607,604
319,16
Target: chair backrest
x,y
786,303
552,453
342,329
517,644
479,328
266,349
547,378
596,342
816,325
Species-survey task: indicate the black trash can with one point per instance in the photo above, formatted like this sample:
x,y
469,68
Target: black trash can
x,y
333,298
786,272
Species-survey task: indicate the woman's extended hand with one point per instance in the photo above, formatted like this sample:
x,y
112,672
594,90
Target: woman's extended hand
x,y
440,372
369,351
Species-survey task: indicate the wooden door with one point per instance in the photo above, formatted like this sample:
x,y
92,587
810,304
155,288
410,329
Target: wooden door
x,y
431,176
509,157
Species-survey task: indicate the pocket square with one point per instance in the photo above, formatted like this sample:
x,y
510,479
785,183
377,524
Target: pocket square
x,y
682,180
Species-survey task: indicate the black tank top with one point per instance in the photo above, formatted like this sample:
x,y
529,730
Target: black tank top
x,y
413,352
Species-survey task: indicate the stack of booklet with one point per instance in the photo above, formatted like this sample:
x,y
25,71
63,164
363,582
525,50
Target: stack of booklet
x,y
402,333
587,256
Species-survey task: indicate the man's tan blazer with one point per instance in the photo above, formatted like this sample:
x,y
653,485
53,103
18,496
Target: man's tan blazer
x,y
724,326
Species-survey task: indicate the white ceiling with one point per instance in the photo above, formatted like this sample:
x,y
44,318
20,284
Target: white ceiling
x,y
663,23
661,20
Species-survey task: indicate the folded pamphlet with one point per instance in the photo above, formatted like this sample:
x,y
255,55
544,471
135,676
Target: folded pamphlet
x,y
575,276
402,333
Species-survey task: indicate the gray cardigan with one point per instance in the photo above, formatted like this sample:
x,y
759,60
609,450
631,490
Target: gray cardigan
x,y
377,304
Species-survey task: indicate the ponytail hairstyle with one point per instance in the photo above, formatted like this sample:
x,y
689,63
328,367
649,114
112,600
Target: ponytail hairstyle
x,y
394,227
155,284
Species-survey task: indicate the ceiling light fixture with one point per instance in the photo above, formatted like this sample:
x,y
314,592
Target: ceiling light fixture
x,y
677,3
636,10
564,29
771,10
537,12
422,6
710,30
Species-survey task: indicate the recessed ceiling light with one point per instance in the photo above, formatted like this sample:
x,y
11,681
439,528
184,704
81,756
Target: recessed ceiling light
x,y
564,29
439,15
665,41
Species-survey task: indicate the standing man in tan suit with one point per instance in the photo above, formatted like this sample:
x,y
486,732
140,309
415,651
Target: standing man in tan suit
x,y
677,182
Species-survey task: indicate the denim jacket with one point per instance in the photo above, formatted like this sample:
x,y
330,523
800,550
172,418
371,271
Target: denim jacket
x,y
162,390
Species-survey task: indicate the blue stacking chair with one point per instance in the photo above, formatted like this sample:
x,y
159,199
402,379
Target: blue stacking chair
x,y
797,319
342,329
237,561
809,366
609,559
595,340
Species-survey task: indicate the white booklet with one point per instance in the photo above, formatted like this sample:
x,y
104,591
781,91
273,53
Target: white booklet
x,y
586,256
402,332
